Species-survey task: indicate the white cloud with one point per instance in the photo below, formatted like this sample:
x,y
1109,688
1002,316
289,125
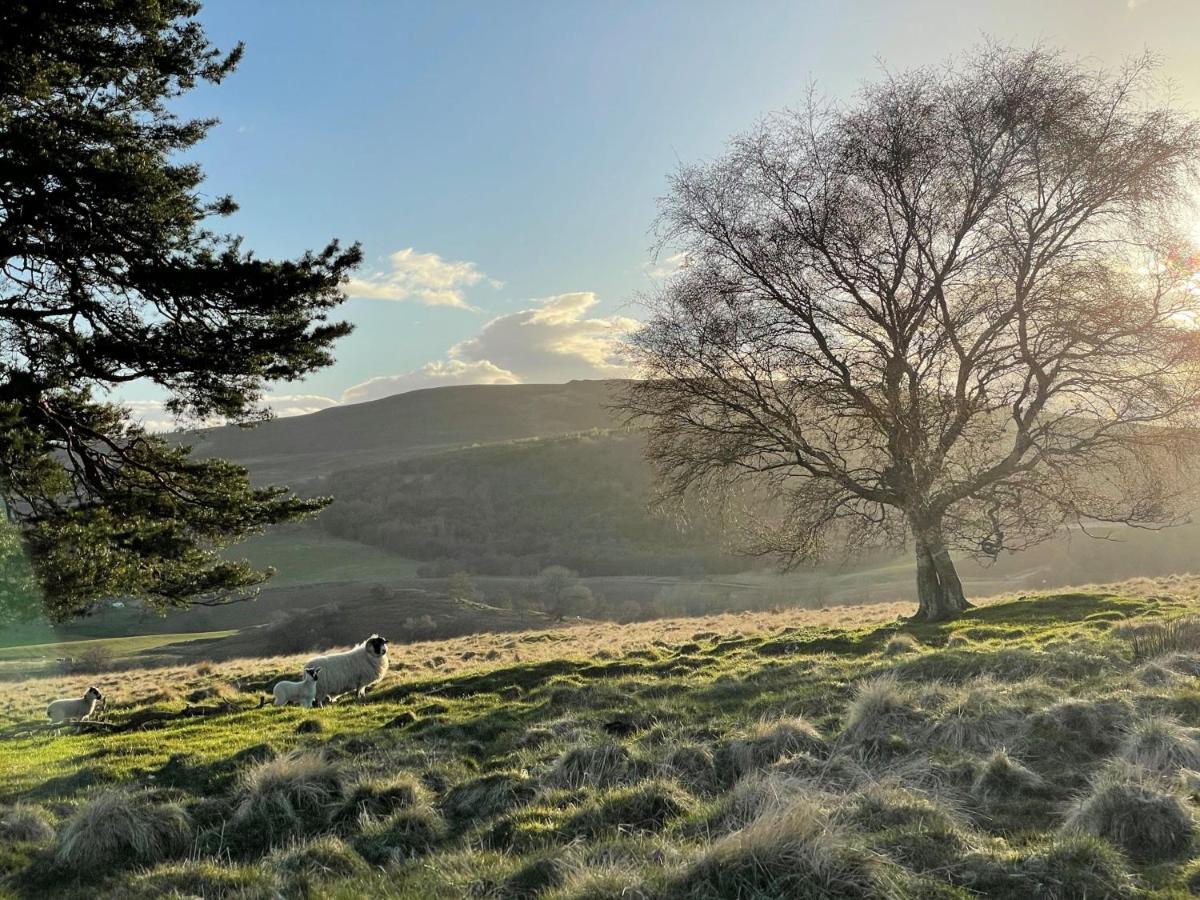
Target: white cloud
x,y
553,341
422,277
433,374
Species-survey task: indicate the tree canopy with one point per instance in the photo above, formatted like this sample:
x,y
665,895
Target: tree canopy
x,y
959,310
113,273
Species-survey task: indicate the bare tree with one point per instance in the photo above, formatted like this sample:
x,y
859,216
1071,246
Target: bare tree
x,y
956,312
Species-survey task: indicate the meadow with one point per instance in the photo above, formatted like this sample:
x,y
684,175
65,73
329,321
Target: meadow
x,y
1042,745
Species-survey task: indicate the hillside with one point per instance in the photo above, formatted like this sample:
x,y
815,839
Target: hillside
x,y
1041,746
514,508
291,450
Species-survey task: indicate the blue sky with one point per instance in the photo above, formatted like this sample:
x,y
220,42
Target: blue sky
x,y
516,148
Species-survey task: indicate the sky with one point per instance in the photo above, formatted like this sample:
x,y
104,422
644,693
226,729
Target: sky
x,y
500,161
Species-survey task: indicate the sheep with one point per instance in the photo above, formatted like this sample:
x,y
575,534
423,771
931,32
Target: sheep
x,y
353,670
302,693
74,708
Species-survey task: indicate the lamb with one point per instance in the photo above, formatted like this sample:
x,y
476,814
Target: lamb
x,y
351,671
302,693
74,708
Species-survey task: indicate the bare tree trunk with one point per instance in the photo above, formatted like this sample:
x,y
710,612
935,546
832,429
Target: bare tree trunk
x,y
940,592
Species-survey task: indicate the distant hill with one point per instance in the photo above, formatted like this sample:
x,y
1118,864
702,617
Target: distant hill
x,y
514,508
297,448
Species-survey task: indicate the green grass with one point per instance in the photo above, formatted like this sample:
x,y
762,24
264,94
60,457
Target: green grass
x,y
311,557
750,765
119,647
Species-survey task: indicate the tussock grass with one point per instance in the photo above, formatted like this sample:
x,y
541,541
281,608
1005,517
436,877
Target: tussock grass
x,y
901,644
644,807
119,828
303,868
975,718
501,784
1135,812
593,767
879,715
26,822
793,853
200,878
404,835
1151,639
757,797
379,797
767,742
1161,745
488,796
1003,777
288,797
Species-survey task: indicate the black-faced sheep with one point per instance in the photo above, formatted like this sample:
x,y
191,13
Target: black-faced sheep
x,y
351,671
74,708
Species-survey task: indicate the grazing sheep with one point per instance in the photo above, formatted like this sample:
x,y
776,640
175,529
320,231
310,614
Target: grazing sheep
x,y
302,693
351,671
74,708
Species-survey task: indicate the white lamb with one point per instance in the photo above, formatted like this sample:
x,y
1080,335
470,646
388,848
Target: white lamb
x,y
74,708
351,671
301,693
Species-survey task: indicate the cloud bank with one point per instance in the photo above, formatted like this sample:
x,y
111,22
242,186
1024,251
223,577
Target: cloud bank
x,y
551,342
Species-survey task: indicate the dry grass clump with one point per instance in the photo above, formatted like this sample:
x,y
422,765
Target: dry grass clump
x,y
693,766
975,718
592,767
1161,745
1077,730
120,828
756,797
25,822
404,835
648,806
767,743
1134,812
1182,663
291,796
901,644
303,867
1003,777
377,798
1154,673
879,713
796,852
885,806
487,796
1150,639
1061,867
200,878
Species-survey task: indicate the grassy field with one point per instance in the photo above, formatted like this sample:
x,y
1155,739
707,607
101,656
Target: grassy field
x,y
309,556
1042,746
118,647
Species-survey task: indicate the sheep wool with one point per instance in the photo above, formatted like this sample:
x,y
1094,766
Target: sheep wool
x,y
75,707
301,693
351,671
